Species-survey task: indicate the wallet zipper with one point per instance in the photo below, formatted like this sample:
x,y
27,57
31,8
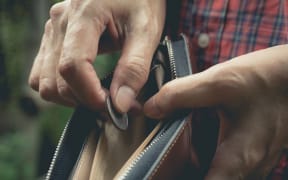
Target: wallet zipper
x,y
167,44
173,72
56,153
172,62
138,158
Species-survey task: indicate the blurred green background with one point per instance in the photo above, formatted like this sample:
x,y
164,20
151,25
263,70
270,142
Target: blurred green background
x,y
29,127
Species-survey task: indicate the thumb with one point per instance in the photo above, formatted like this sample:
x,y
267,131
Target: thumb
x,y
218,85
132,69
194,91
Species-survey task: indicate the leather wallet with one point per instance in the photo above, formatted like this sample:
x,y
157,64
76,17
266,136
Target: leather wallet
x,y
163,151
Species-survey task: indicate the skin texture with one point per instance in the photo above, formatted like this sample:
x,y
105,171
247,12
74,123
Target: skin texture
x,y
249,92
250,95
77,30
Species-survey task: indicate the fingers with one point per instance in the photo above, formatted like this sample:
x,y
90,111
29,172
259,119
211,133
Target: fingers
x,y
131,72
133,67
47,83
59,20
79,51
235,158
215,86
44,75
248,148
141,34
63,71
188,92
64,90
36,68
137,31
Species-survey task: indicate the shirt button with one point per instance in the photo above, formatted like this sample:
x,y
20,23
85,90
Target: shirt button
x,y
203,40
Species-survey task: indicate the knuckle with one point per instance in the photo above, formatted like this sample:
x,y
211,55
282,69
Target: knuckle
x,y
64,91
150,27
33,82
76,4
234,167
48,26
56,10
47,91
241,161
67,67
58,16
226,80
136,71
253,157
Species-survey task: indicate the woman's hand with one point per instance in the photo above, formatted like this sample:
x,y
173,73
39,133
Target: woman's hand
x,y
77,30
250,94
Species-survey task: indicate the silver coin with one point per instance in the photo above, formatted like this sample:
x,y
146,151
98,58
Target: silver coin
x,y
119,120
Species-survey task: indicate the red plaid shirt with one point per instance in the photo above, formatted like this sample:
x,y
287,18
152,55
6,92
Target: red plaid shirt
x,y
219,30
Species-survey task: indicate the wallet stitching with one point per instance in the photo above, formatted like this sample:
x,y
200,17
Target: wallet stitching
x,y
169,150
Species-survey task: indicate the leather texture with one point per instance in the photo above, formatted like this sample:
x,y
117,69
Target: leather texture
x,y
173,156
180,160
102,153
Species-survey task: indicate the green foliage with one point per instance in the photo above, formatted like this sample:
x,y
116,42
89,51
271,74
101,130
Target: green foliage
x,y
16,23
15,157
53,121
17,149
105,64
55,1
14,35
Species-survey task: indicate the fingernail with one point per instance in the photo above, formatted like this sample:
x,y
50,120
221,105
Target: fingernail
x,y
124,98
151,109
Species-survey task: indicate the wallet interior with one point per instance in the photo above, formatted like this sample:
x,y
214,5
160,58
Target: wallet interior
x,y
108,148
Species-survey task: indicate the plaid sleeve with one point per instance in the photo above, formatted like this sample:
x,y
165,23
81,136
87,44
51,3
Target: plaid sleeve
x,y
233,27
219,30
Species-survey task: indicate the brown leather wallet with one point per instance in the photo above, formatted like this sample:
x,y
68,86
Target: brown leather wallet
x,y
91,147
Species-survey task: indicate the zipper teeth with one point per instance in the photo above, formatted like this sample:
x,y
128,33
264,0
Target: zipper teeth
x,y
56,154
171,59
174,76
137,159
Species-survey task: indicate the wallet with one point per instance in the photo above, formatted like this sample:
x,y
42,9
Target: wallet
x,y
90,146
